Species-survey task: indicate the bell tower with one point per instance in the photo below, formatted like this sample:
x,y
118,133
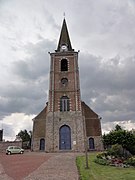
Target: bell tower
x,y
64,121
64,90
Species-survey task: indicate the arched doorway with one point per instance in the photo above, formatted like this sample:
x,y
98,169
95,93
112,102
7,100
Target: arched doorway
x,y
65,138
42,144
91,144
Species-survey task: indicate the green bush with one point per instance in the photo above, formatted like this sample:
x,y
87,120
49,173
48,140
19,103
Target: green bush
x,y
117,156
116,150
120,136
100,156
131,161
132,150
101,161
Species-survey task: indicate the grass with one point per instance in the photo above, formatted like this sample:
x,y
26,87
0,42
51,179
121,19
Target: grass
x,y
101,172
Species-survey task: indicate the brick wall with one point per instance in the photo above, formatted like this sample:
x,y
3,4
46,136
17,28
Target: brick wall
x,y
72,90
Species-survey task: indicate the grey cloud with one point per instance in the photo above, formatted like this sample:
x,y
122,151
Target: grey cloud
x,y
109,27
8,130
38,64
108,86
26,92
104,29
108,74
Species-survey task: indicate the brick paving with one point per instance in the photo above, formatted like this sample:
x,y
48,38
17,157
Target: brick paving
x,y
38,166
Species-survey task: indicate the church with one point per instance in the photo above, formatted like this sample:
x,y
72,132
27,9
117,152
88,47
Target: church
x,y
66,123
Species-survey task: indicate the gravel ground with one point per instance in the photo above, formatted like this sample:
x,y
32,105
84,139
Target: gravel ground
x,y
39,166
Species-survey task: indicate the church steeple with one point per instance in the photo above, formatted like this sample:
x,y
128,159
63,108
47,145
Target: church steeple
x,y
64,40
65,123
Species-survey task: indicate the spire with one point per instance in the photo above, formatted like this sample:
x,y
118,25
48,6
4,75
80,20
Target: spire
x,y
64,38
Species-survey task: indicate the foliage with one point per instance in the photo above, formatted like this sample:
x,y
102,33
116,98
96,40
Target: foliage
x,y
101,161
24,135
122,137
101,155
131,161
97,171
116,150
117,128
132,149
115,156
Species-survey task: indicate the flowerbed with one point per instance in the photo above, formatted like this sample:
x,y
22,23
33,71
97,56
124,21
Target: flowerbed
x,y
105,159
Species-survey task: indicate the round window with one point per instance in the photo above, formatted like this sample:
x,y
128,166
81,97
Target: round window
x,y
64,81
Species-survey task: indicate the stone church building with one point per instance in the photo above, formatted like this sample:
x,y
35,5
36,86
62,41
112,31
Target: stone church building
x,y
66,123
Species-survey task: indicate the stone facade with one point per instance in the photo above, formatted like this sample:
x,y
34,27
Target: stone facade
x,y
74,121
39,127
66,122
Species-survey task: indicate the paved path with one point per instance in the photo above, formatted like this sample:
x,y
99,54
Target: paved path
x,y
3,176
59,166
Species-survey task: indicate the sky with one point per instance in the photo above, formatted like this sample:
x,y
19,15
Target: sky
x,y
104,33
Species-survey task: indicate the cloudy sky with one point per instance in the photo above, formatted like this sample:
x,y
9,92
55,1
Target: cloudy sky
x,y
103,31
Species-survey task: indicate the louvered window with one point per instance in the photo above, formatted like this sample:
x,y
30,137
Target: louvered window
x,y
64,103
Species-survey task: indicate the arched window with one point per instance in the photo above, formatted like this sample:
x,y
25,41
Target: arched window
x,y
91,144
64,103
64,65
42,144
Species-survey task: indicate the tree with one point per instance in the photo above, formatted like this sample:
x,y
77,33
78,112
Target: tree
x,y
122,137
118,127
24,135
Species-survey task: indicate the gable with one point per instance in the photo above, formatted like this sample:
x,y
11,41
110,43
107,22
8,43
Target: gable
x,y
92,121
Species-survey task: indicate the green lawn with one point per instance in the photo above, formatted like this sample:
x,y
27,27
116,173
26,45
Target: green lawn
x,y
100,172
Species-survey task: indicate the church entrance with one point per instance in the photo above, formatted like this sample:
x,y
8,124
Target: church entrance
x,y
42,144
65,138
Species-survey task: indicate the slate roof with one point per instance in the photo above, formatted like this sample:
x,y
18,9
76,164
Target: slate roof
x,y
64,38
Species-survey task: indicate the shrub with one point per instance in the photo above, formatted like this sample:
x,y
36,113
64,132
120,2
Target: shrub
x,y
131,161
116,150
116,156
102,155
101,161
132,150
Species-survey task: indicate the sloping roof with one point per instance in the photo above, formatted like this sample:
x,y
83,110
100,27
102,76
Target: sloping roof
x,y
92,121
39,124
64,37
88,111
42,114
